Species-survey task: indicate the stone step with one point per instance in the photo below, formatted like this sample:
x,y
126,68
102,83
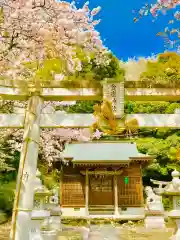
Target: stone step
x,y
101,207
100,213
101,210
95,235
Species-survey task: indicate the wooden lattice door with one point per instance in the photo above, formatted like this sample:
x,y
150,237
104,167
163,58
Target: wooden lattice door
x,y
101,190
73,194
129,194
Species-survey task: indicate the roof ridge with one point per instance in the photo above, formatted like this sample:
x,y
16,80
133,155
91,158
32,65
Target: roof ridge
x,y
86,142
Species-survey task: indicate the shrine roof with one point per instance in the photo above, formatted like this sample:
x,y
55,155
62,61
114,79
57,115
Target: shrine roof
x,y
106,152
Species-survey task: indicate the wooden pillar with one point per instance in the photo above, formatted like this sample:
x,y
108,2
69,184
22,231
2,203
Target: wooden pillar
x,y
116,212
87,193
61,188
141,187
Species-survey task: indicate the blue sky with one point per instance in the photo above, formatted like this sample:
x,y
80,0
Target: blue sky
x,y
121,35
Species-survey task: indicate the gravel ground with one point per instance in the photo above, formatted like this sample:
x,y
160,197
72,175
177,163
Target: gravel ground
x,y
104,232
4,231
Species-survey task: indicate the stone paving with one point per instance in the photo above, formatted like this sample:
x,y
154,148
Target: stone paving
x,y
108,232
104,232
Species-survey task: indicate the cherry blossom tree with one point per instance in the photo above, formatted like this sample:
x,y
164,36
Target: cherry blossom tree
x,y
41,41
44,40
171,34
52,142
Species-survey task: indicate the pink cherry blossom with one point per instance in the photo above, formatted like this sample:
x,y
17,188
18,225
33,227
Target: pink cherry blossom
x,y
162,7
154,11
97,134
44,30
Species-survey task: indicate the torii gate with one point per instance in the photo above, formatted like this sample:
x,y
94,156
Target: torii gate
x,y
33,120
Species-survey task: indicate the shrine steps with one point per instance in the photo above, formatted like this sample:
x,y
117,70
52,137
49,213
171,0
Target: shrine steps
x,y
101,210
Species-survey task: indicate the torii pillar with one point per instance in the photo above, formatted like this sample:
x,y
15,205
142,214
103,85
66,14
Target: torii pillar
x,y
24,198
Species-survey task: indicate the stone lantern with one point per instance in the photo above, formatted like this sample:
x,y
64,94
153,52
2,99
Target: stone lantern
x,y
40,212
41,194
173,189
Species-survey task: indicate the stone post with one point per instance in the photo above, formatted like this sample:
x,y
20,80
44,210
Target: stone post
x,y
24,198
113,91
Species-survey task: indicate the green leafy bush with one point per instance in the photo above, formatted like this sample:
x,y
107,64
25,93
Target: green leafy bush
x,y
7,197
3,217
167,203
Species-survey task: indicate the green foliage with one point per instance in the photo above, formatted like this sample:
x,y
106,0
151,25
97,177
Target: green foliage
x,y
49,178
44,71
9,161
163,149
7,197
91,70
165,70
3,217
79,107
1,15
130,107
147,107
6,107
167,203
112,70
171,108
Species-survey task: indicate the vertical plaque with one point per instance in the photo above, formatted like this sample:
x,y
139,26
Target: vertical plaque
x,y
114,92
113,89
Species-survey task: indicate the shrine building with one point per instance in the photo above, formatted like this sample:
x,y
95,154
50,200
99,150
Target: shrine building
x,y
103,179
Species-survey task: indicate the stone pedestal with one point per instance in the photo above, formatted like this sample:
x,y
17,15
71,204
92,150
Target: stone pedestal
x,y
55,219
37,217
177,236
175,215
49,235
154,220
95,235
154,211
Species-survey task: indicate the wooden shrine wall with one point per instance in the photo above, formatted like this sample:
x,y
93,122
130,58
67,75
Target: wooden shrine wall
x,y
73,189
130,194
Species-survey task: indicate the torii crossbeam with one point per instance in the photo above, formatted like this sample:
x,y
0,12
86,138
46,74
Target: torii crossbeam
x,y
64,120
